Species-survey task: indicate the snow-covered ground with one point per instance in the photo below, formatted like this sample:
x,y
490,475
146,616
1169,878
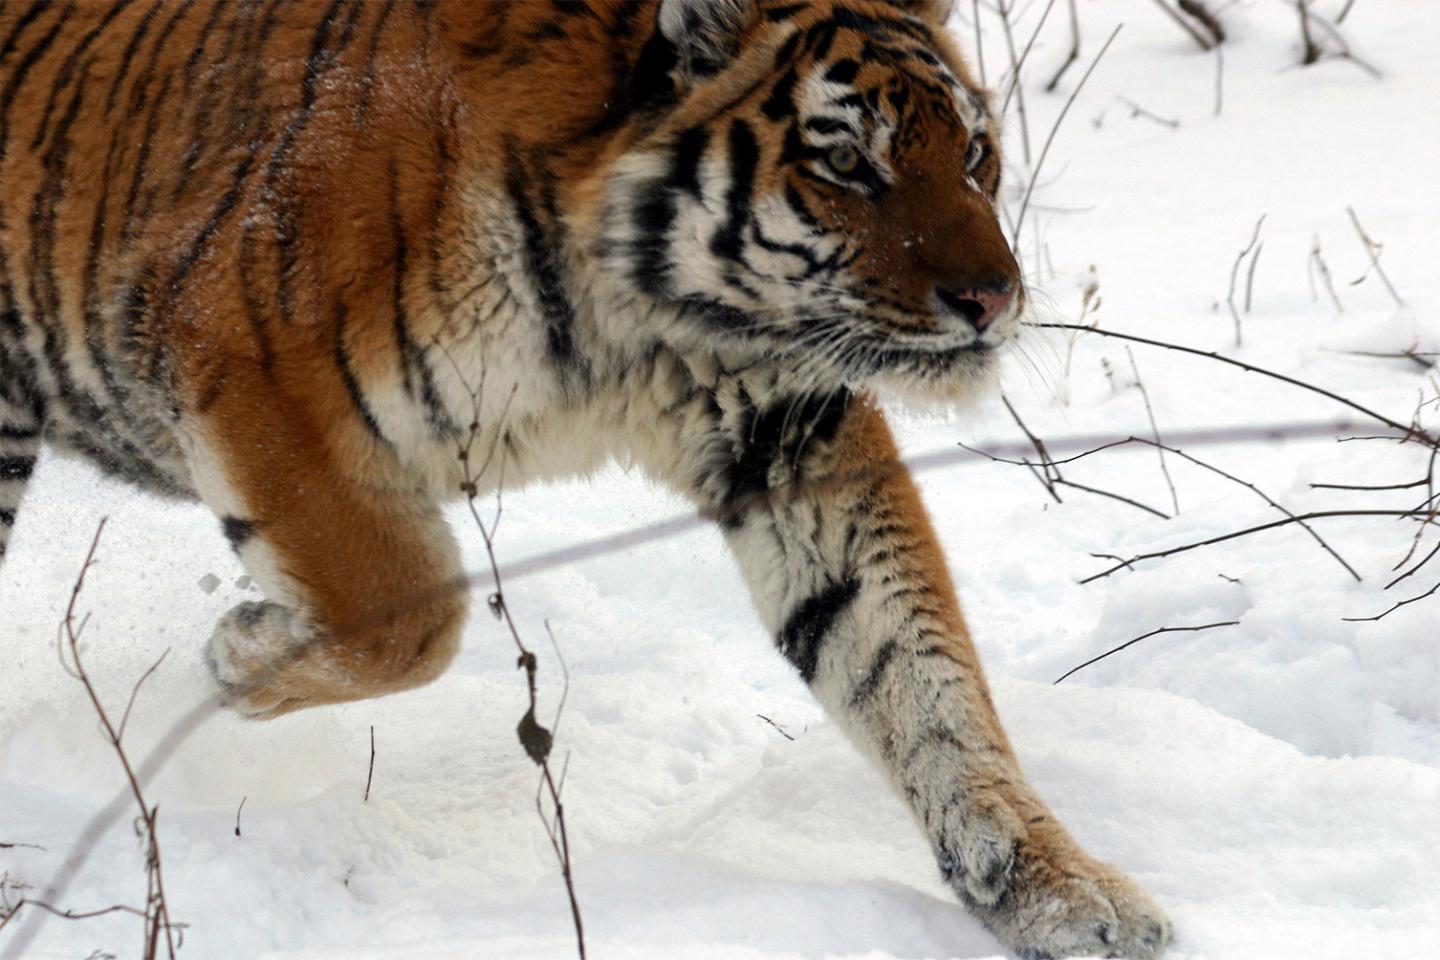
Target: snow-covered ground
x,y
1276,784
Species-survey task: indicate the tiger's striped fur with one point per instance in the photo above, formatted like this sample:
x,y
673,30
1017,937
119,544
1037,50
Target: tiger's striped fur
x,y
289,257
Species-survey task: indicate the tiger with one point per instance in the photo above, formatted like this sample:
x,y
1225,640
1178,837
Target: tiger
x,y
327,265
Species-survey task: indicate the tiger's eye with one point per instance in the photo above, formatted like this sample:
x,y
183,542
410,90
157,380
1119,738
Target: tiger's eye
x,y
844,159
977,152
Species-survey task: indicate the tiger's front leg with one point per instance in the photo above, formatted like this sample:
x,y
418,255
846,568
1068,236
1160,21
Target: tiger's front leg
x,y
846,571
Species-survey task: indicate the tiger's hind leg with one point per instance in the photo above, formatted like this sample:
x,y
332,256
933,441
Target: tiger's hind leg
x,y
19,447
364,594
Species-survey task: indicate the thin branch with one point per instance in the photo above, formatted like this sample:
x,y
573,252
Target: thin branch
x,y
1219,78
237,814
370,774
125,718
1294,519
979,46
1003,8
1160,447
1145,636
1408,432
1181,22
779,729
1235,276
1415,569
1250,274
1138,111
1402,603
1197,10
535,739
1373,250
1074,53
158,926
1311,48
1045,151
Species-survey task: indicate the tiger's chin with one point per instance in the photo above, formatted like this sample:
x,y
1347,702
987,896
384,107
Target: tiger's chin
x,y
938,384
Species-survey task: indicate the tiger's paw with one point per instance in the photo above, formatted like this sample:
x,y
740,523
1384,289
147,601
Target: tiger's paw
x,y
254,655
1047,899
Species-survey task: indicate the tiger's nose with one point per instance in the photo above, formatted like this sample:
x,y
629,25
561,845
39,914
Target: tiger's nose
x,y
977,306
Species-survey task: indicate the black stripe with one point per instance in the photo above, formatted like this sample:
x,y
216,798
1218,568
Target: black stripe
x,y
218,69
785,12
347,374
655,213
16,468
744,159
198,51
805,631
27,18
367,75
781,102
22,70
868,687
237,531
542,262
67,70
776,434
128,57
418,378
320,60
8,432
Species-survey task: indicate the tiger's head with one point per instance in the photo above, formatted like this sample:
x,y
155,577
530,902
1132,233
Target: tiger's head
x,y
821,189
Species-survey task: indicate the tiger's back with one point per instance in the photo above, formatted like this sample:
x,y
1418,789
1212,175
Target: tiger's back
x,y
147,147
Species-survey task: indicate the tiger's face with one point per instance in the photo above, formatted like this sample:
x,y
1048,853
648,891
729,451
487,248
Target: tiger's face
x,y
823,192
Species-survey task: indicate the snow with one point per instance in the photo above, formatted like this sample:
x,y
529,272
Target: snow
x,y
1273,784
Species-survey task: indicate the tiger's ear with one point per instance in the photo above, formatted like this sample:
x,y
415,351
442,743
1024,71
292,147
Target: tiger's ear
x,y
936,11
705,34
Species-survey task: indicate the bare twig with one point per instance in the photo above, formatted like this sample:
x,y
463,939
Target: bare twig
x,y
1160,447
1407,431
1203,464
1317,262
1138,111
1415,569
1219,78
536,740
1145,636
1342,49
159,929
1345,11
979,46
1235,276
1397,606
1197,10
1045,151
237,814
1211,541
125,718
1184,25
1373,249
1074,53
370,773
1003,8
1047,470
1311,49
1250,275
779,729
1019,67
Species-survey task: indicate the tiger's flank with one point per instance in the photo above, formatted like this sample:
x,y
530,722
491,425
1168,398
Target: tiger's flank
x,y
273,255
